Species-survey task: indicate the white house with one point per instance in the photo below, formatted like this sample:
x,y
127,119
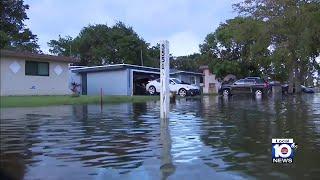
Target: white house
x,y
24,73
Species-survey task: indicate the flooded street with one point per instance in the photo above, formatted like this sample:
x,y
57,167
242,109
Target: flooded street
x,y
204,138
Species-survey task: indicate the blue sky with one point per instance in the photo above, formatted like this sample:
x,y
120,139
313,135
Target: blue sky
x,y
185,23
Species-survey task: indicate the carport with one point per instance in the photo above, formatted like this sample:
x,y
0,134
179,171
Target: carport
x,y
117,79
120,79
140,79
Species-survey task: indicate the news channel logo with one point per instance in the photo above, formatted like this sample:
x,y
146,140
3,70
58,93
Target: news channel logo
x,y
283,150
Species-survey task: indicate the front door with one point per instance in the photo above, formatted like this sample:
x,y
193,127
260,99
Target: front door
x,y
84,83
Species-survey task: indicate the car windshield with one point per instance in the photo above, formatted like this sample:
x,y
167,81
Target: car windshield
x,y
241,81
252,78
177,81
249,81
260,81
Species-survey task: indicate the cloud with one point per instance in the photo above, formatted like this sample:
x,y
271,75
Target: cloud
x,y
183,43
50,18
183,22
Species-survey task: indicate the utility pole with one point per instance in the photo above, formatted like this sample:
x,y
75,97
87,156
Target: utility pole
x,y
141,57
69,49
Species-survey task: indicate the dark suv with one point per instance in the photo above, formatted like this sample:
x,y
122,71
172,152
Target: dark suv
x,y
249,85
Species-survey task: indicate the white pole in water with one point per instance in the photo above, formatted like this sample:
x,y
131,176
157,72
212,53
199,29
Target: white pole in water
x,y
164,79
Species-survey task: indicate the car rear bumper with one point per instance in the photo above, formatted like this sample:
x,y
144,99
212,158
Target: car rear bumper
x,y
193,92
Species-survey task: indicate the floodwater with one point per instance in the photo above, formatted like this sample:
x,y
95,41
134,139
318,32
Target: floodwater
x,y
204,138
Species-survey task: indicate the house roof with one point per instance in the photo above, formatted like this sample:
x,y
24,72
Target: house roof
x,y
41,57
126,66
176,71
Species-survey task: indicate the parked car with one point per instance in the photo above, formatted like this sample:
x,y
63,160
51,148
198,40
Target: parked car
x,y
285,89
249,85
253,77
307,89
274,83
175,85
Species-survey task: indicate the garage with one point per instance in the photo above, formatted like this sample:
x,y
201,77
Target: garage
x,y
140,79
122,79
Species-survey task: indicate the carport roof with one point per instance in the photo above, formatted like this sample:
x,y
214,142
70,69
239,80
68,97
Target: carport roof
x,y
114,67
175,71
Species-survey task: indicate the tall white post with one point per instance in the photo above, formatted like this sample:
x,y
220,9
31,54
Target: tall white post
x,y
164,79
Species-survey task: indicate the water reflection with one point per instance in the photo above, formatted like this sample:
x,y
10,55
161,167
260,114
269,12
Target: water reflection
x,y
167,167
241,134
209,137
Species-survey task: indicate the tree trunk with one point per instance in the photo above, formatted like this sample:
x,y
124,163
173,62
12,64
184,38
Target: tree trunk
x,y
297,81
292,73
291,79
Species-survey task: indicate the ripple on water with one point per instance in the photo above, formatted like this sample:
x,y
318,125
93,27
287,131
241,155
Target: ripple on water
x,y
215,137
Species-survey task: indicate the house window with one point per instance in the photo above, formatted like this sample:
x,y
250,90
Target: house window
x,y
35,68
193,80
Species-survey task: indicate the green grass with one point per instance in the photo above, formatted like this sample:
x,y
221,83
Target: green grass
x,y
33,101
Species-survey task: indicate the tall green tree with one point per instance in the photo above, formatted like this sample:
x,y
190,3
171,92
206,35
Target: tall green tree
x,y
186,63
236,47
63,46
152,56
13,32
100,44
294,27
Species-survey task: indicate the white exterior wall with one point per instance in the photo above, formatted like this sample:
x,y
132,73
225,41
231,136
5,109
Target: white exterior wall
x,y
111,82
19,84
210,79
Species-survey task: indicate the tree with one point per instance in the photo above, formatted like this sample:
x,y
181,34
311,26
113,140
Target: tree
x,y
221,68
237,47
62,46
152,55
13,32
186,63
100,44
293,26
271,38
210,46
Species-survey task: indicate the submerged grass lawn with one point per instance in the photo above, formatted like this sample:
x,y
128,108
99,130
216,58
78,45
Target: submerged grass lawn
x,y
33,101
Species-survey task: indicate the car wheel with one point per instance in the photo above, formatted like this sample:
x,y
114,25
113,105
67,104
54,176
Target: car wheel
x,y
182,92
226,92
258,92
152,90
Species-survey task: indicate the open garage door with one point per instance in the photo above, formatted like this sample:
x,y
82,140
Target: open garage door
x,y
140,79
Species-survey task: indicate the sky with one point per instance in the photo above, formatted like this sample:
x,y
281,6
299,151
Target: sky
x,y
184,23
